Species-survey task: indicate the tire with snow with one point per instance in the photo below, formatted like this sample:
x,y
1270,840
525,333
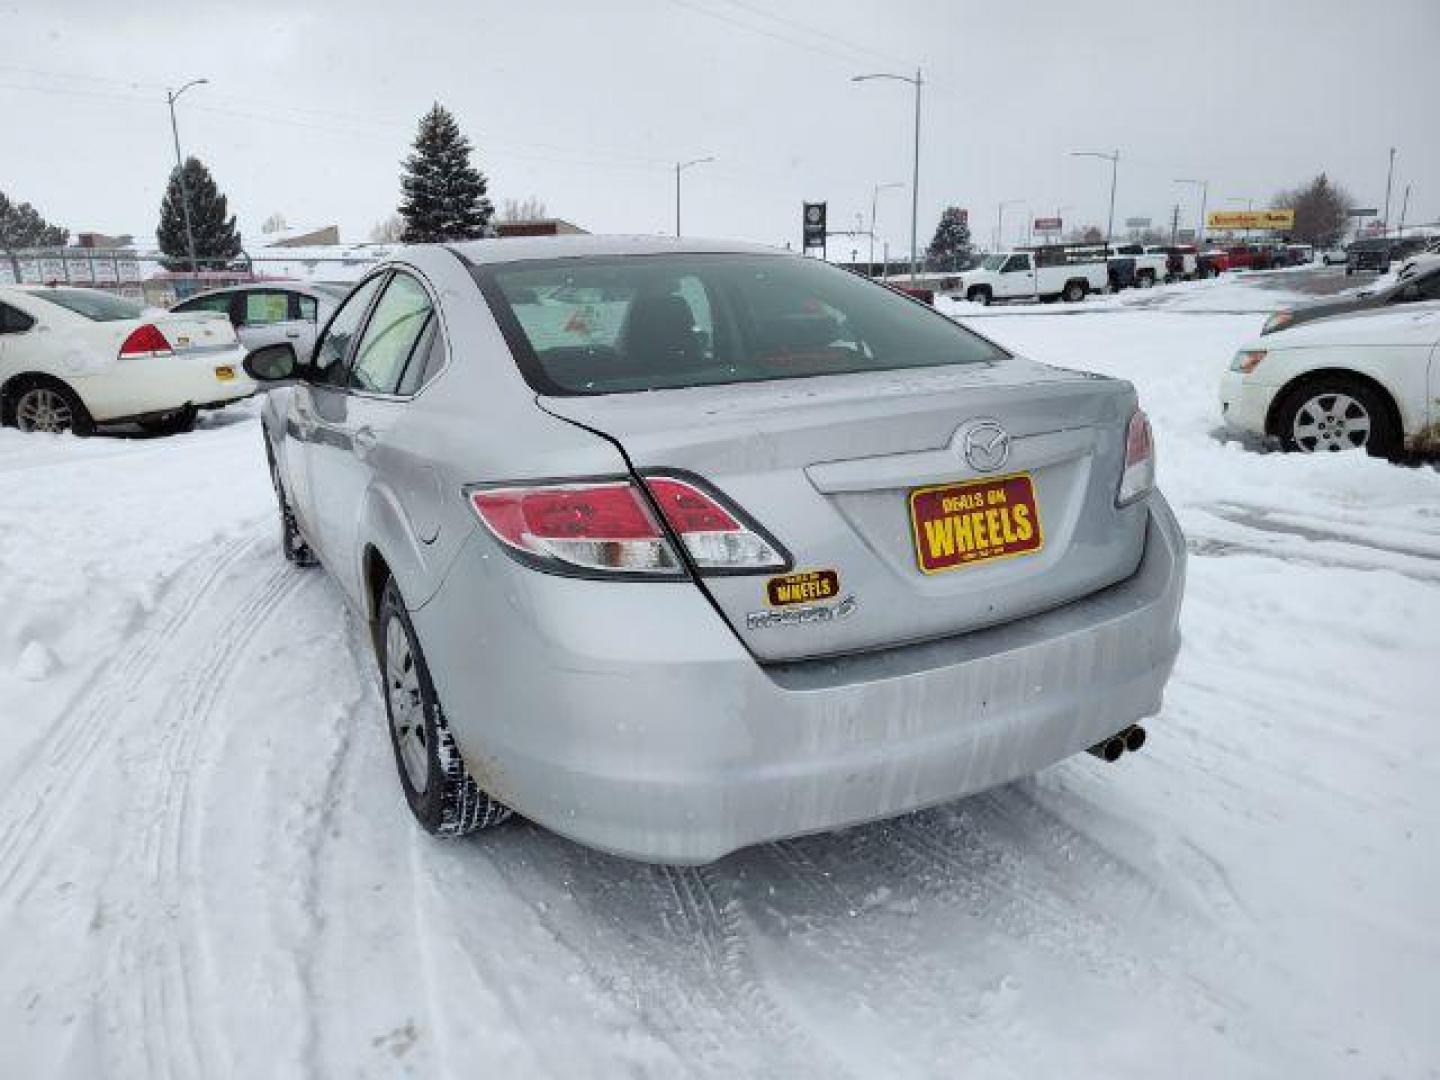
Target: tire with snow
x,y
1145,279
1335,412
441,794
1075,291
979,296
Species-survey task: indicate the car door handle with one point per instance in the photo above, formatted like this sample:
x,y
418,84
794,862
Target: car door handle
x,y
292,334
364,440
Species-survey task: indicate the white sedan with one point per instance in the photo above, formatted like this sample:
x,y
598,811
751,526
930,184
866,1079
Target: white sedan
x,y
71,359
1369,381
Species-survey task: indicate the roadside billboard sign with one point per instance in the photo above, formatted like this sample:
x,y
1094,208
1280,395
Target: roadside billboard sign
x,y
1250,219
1186,236
1362,211
1137,223
1048,224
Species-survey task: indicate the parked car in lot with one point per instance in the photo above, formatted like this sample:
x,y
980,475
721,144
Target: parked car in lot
x,y
1212,263
73,358
264,313
1334,256
1181,263
1039,274
1362,382
1151,267
676,547
1409,290
1249,257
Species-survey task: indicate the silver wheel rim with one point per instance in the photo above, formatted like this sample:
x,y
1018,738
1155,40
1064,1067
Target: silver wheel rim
x,y
1331,422
407,709
43,409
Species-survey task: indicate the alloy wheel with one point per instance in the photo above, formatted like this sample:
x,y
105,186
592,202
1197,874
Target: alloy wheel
x,y
1331,421
43,409
407,705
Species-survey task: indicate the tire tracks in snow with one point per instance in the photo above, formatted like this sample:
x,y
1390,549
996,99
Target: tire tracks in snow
x,y
161,948
36,808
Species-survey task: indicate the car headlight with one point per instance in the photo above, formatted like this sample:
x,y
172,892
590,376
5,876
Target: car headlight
x,y
1278,321
1247,360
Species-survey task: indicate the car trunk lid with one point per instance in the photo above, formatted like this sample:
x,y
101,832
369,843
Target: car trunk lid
x,y
845,471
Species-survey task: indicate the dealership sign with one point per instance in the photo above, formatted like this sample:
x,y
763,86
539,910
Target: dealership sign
x,y
1048,224
1250,219
1137,223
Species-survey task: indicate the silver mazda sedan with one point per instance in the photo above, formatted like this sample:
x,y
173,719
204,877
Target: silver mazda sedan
x,y
674,547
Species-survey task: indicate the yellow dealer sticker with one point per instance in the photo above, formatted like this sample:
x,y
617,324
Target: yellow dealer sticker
x,y
804,587
225,373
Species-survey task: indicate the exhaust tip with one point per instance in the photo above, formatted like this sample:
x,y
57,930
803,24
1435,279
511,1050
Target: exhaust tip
x,y
1134,738
1109,749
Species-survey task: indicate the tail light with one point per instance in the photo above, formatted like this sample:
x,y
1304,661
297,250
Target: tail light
x,y
146,340
607,527
602,527
714,537
1139,475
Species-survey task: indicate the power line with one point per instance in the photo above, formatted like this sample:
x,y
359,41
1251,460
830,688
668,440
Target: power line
x,y
817,32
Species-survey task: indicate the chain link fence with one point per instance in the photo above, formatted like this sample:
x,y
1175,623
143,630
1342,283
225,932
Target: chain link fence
x,y
144,276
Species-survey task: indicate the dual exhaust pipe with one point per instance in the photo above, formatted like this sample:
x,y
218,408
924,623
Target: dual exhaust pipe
x,y
1131,739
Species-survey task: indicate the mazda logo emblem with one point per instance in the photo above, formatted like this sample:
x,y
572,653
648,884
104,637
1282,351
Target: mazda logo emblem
x,y
986,446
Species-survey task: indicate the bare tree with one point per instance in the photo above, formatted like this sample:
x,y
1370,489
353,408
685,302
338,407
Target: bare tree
x,y
529,209
1321,211
274,223
389,230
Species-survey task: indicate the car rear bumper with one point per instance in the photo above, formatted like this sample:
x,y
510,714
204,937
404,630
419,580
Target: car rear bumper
x,y
628,716
154,385
1244,406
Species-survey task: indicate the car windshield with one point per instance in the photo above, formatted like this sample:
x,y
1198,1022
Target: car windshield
x,y
992,262
658,322
92,303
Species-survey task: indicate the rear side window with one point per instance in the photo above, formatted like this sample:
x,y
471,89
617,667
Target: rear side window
x,y
265,306
652,322
395,327
305,306
91,303
13,320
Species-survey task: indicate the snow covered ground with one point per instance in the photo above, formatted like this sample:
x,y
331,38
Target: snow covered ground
x,y
207,868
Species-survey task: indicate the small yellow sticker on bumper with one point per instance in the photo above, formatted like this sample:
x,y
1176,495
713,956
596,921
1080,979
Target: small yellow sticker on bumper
x,y
225,373
805,587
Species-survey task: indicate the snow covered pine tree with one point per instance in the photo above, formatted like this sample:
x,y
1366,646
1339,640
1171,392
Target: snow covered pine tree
x,y
212,224
444,195
951,242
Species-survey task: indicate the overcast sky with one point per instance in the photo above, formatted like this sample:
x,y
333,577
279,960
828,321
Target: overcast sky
x,y
587,105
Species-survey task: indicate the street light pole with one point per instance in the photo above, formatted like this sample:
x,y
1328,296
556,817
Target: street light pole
x,y
1389,176
874,201
917,81
1114,159
679,167
1204,186
171,96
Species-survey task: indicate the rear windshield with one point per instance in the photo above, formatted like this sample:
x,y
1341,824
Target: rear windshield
x,y
92,303
659,322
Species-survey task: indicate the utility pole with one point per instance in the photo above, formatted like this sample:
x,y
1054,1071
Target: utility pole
x,y
874,200
171,96
916,82
1204,186
1404,206
1114,159
1174,224
680,166
1389,176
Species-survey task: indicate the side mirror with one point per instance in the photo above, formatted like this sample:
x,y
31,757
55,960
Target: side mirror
x,y
273,363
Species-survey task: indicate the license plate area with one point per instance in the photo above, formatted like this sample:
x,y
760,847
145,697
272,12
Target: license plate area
x,y
958,525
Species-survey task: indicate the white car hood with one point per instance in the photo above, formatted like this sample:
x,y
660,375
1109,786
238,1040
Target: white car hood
x,y
1405,324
